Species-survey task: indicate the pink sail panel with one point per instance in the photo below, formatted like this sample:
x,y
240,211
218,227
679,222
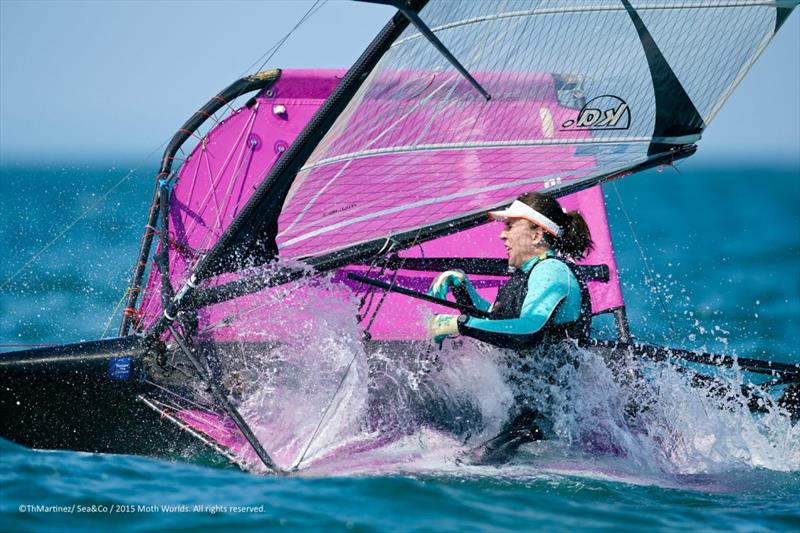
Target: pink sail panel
x,y
403,318
488,177
228,165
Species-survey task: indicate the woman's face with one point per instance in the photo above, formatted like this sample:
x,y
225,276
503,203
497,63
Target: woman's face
x,y
522,241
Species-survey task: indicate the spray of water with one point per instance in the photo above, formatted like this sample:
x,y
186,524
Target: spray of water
x,y
323,401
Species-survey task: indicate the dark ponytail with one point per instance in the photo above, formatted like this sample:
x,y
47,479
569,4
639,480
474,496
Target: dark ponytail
x,y
575,240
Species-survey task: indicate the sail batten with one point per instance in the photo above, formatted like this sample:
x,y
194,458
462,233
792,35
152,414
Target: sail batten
x,y
685,139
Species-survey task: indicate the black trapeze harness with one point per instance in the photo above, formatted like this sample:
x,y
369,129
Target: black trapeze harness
x,y
508,304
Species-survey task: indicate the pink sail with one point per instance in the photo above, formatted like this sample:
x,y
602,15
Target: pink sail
x,y
223,171
378,178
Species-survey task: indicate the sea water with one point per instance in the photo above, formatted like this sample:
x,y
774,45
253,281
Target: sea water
x,y
710,258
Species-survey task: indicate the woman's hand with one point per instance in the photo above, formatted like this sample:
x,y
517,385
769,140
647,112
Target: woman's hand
x,y
444,281
442,326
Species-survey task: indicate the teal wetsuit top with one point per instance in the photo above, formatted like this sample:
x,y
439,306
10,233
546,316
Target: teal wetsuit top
x,y
550,284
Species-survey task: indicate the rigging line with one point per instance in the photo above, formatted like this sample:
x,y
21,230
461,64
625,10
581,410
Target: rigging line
x,y
277,46
271,51
649,270
324,414
206,114
177,410
369,292
243,146
212,188
211,192
125,295
365,307
190,195
83,215
227,103
182,398
205,439
391,283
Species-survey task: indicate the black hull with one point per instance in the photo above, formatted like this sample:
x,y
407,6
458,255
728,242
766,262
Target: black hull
x,y
70,402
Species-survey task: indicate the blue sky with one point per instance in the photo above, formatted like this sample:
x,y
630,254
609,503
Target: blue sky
x,y
90,78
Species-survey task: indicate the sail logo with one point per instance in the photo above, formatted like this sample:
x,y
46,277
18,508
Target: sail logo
x,y
605,112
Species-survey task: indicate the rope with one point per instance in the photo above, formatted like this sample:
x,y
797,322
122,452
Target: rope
x,y
647,266
83,215
387,247
114,313
383,298
324,413
391,284
365,305
277,46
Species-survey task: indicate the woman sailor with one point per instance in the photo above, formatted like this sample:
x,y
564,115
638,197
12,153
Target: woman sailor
x,y
543,301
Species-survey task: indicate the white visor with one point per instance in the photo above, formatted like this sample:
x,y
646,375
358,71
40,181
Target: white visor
x,y
521,210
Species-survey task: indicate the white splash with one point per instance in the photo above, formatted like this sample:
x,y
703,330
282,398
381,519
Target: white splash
x,y
329,404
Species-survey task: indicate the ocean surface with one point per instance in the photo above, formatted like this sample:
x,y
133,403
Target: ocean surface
x,y
710,259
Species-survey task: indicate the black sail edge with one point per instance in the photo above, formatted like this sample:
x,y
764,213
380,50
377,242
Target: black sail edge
x,y
256,82
781,14
676,114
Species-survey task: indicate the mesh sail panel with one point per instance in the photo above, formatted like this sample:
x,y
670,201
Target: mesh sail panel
x,y
710,48
573,97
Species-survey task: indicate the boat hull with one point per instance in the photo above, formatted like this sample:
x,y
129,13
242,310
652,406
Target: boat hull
x,y
85,402
93,403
